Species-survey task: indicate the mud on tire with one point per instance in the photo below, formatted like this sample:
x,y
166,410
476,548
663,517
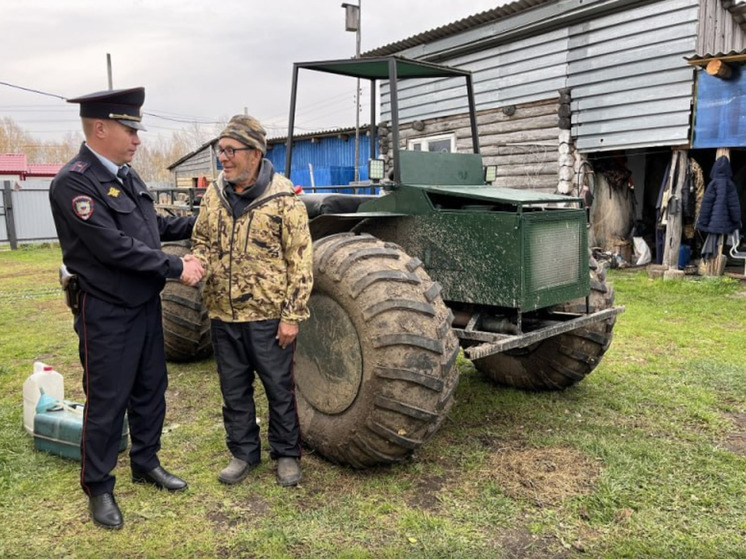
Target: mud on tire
x,y
186,326
563,360
375,367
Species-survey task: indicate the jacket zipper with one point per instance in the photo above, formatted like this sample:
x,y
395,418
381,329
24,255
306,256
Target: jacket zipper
x,y
230,270
248,232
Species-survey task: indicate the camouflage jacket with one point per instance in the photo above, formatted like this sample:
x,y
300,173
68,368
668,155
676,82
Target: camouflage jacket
x,y
259,265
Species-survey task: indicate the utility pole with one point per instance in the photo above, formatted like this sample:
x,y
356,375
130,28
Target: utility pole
x,y
108,70
352,23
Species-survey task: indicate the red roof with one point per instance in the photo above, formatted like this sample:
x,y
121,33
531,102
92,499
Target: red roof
x,y
13,163
43,169
17,164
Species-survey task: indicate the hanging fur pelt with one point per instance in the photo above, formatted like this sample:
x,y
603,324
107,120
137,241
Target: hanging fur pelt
x,y
612,214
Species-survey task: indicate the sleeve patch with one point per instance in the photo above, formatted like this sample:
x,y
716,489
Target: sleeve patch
x,y
83,207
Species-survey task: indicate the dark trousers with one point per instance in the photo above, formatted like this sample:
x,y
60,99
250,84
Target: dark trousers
x,y
241,350
124,369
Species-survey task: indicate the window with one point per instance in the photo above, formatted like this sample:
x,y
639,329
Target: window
x,y
445,143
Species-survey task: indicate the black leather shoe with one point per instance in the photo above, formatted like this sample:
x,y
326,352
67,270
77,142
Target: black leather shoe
x,y
160,478
105,512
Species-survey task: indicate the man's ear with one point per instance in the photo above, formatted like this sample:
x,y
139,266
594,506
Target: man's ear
x,y
100,129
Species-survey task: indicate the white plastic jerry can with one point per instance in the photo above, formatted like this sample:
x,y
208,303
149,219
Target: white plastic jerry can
x,y
43,378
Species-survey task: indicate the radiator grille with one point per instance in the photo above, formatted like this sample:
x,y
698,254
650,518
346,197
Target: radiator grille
x,y
554,253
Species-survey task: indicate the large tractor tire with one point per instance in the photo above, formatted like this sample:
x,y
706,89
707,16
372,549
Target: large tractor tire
x,y
375,368
563,360
186,326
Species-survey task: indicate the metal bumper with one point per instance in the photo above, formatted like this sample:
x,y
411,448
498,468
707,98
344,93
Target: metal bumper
x,y
491,343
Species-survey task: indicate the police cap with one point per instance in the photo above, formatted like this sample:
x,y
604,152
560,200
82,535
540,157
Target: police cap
x,y
122,105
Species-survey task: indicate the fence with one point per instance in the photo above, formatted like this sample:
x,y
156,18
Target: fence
x,y
26,216
25,213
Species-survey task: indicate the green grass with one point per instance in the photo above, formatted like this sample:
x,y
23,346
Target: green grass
x,y
645,458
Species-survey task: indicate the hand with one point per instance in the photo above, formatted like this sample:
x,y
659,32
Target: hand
x,y
193,270
286,334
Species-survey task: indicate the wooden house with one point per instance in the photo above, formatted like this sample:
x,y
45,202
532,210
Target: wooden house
x,y
584,97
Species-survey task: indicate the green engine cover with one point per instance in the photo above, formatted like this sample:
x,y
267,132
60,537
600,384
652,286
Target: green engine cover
x,y
511,248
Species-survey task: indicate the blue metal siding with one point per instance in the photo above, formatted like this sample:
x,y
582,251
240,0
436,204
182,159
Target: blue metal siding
x,y
330,157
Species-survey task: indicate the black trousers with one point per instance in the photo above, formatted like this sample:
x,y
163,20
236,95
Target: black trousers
x,y
124,369
241,350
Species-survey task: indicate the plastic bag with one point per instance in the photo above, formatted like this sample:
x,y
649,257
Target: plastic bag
x,y
642,251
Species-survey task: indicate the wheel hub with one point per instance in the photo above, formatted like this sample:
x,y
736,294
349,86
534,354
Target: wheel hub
x,y
329,364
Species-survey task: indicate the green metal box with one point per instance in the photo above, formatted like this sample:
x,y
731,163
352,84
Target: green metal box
x,y
492,246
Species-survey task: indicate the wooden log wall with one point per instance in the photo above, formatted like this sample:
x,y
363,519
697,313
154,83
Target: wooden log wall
x,y
522,141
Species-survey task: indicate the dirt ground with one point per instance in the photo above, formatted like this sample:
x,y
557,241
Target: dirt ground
x,y
735,440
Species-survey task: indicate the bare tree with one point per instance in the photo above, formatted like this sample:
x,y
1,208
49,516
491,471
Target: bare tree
x,y
55,152
153,158
13,139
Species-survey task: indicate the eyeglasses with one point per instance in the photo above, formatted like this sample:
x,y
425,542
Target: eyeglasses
x,y
229,151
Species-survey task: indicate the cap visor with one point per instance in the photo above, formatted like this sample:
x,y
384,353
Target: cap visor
x,y
133,124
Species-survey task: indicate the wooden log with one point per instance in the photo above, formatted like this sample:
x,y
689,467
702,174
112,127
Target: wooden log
x,y
719,69
527,169
527,137
541,183
675,210
536,123
486,117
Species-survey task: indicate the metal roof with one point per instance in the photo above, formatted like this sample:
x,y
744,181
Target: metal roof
x,y
378,68
278,140
13,163
324,133
738,9
481,18
17,164
44,169
703,59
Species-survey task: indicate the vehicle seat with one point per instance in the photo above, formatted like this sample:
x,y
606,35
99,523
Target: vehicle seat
x,y
332,203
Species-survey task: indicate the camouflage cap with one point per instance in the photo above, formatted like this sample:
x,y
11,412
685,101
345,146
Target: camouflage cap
x,y
247,130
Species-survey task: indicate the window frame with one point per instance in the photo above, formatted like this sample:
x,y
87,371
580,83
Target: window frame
x,y
424,142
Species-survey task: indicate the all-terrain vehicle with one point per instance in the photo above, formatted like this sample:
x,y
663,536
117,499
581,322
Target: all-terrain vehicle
x,y
438,260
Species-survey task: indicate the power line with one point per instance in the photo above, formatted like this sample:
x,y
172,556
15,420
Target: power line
x,y
33,90
320,109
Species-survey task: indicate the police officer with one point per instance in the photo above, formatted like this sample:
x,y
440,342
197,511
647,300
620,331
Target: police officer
x,y
110,235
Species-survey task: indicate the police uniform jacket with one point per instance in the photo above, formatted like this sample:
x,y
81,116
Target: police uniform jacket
x,y
259,264
111,236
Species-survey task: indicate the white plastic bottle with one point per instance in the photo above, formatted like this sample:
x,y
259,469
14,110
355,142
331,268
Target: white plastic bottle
x,y
46,378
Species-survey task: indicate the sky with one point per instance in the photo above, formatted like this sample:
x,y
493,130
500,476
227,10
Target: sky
x,y
200,61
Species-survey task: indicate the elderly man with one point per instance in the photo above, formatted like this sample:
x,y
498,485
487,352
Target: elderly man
x,y
111,238
252,237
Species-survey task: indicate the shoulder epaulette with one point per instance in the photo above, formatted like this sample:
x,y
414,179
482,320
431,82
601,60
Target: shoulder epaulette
x,y
79,166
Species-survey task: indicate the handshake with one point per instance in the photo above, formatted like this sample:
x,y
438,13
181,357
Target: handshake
x,y
193,270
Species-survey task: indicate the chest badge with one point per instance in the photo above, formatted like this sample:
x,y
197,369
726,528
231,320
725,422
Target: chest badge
x,y
113,192
83,207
